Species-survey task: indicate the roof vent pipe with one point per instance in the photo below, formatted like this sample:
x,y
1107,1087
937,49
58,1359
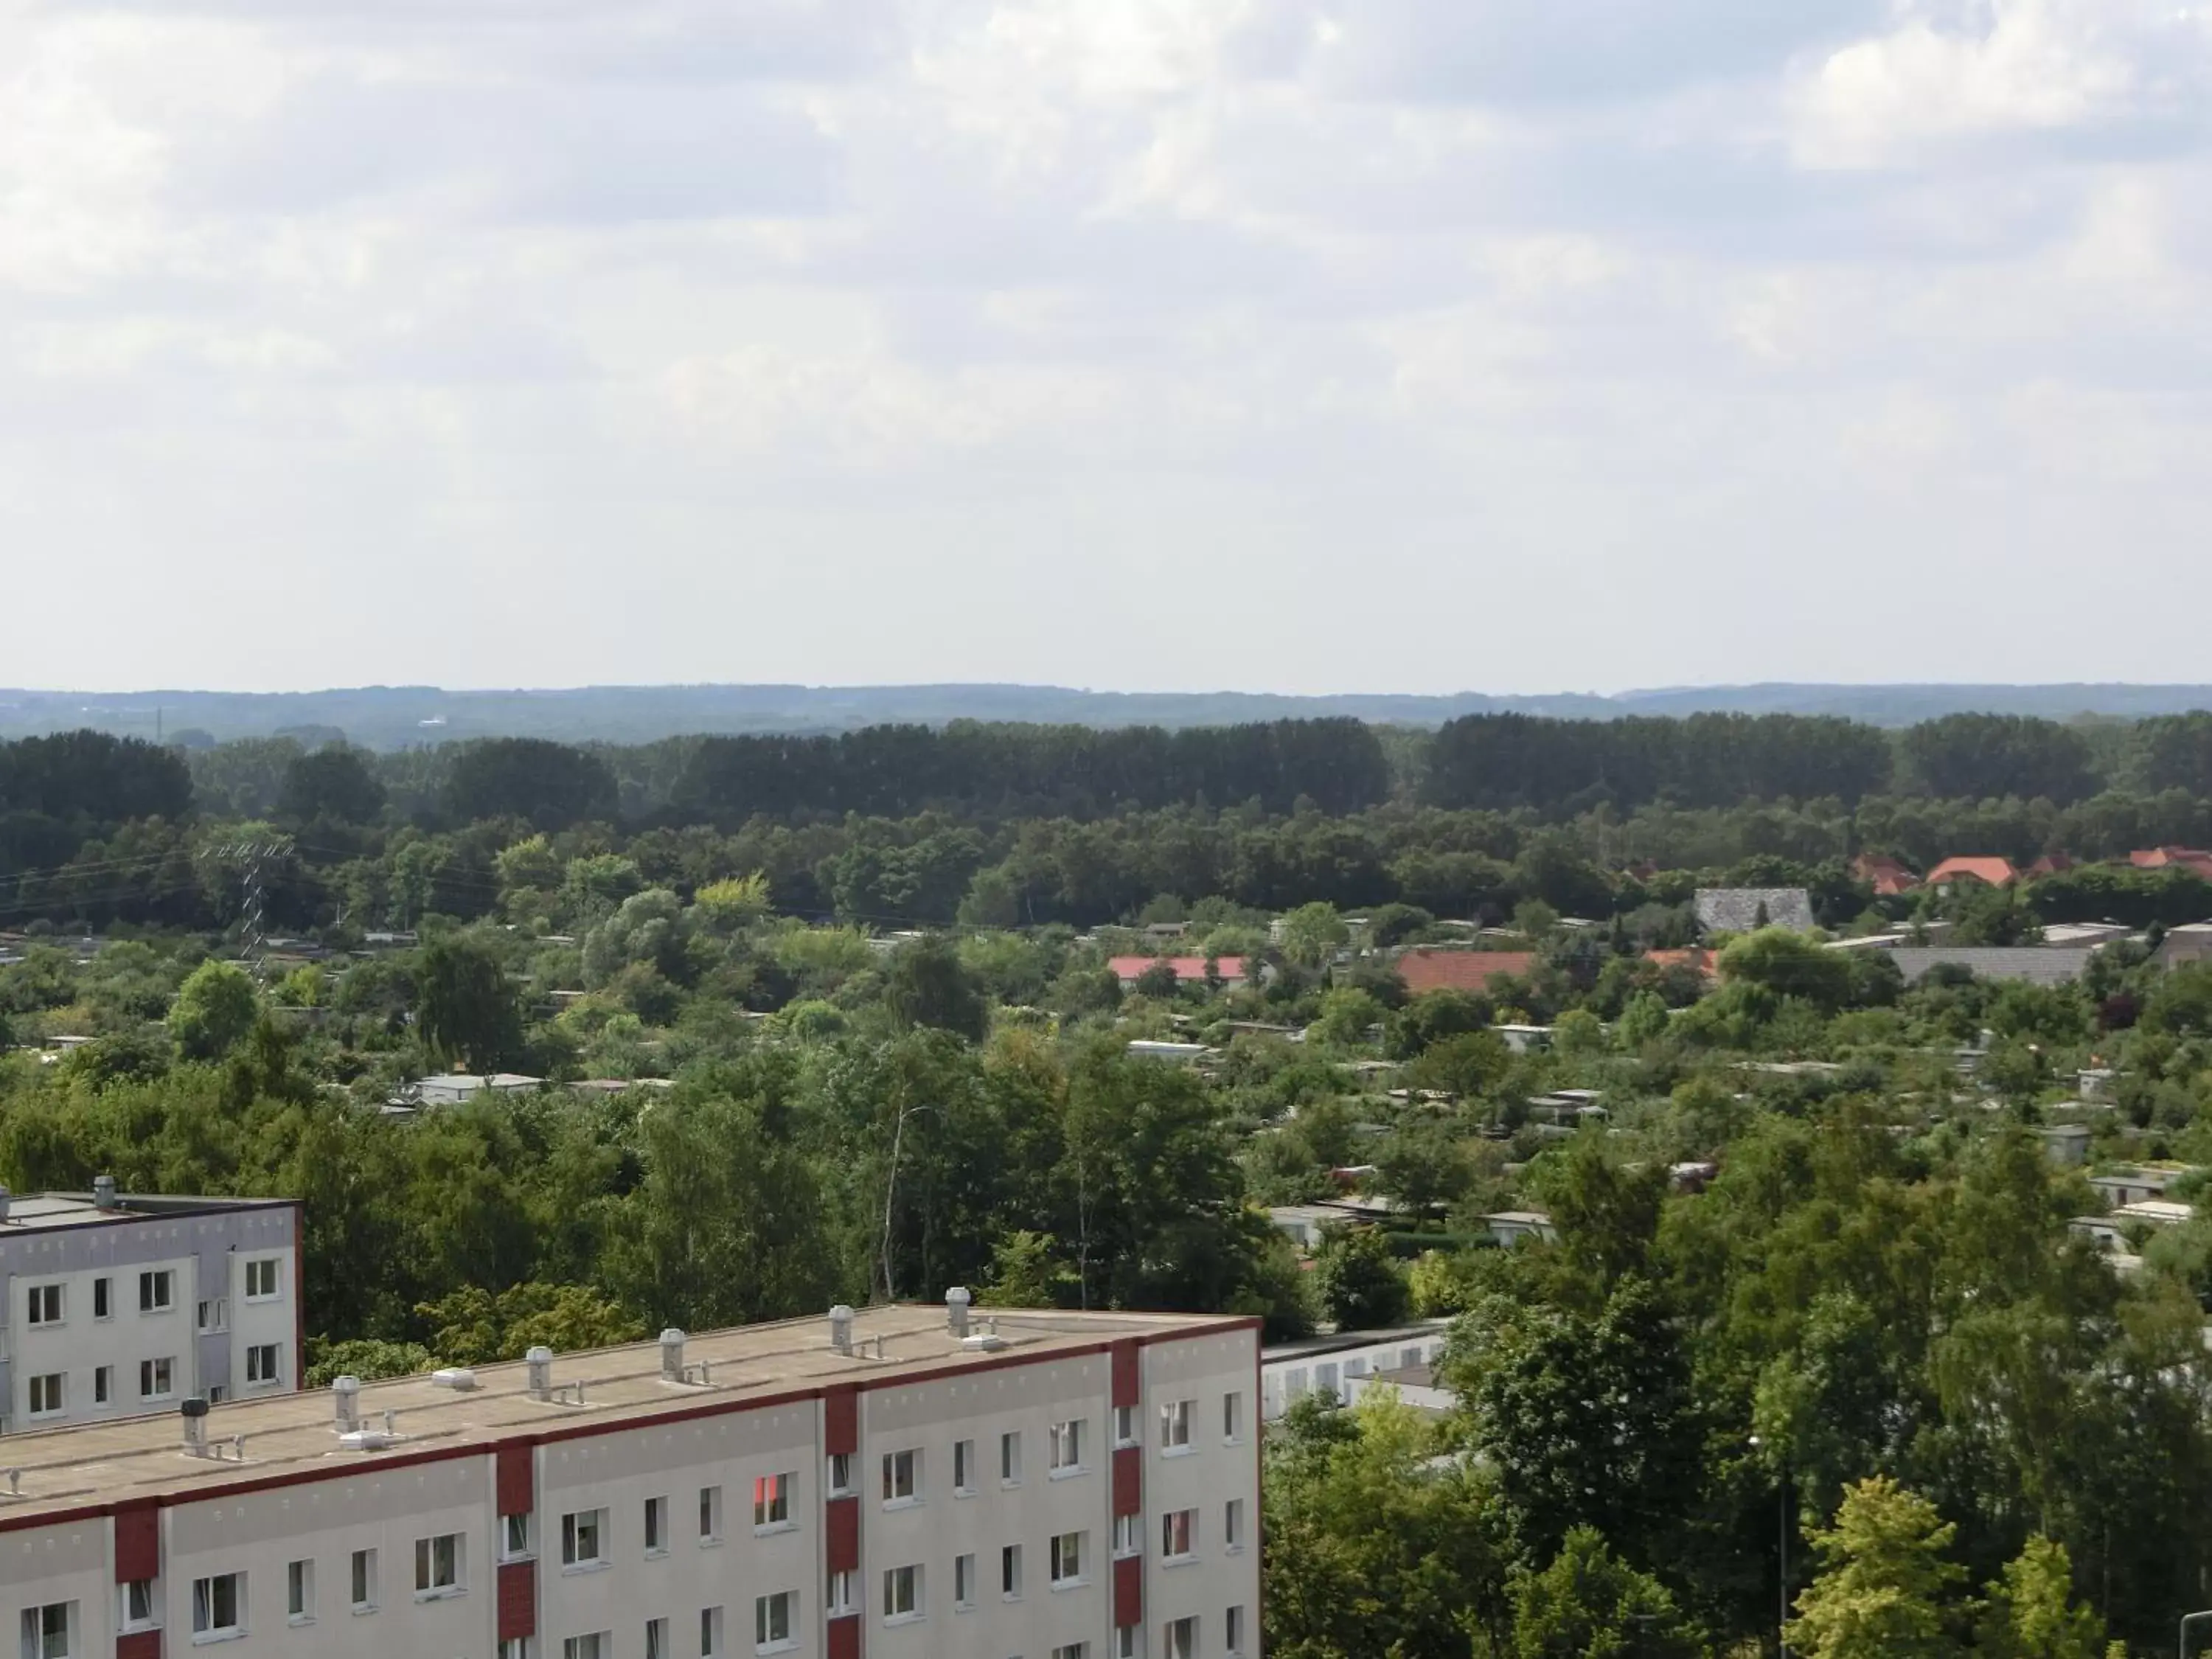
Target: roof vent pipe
x,y
345,1394
841,1329
7,1198
955,1312
194,1412
539,1365
103,1192
671,1355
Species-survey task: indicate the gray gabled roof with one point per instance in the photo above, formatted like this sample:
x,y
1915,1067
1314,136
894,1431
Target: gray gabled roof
x,y
1735,909
2037,965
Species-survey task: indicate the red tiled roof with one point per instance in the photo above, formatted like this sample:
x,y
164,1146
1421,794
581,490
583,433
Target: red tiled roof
x,y
1460,970
2164,858
1996,872
1699,959
2051,864
1130,968
1884,875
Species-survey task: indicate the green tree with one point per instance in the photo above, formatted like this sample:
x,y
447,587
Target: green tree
x,y
1026,1271
928,985
331,783
1312,933
1359,1285
1469,1066
737,901
1885,1589
471,1326
1589,1604
369,1359
2030,1612
1346,1018
1788,965
465,1005
215,1009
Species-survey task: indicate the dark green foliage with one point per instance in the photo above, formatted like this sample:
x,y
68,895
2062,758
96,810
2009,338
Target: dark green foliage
x,y
1360,1286
466,1007
549,785
1981,756
928,985
331,783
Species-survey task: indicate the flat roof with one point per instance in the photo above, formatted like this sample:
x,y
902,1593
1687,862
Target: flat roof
x,y
1309,1347
37,1212
293,1437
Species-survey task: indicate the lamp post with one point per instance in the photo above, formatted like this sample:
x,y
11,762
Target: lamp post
x,y
1782,1538
2181,1648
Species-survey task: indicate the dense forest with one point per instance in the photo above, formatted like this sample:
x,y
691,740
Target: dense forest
x,y
835,1019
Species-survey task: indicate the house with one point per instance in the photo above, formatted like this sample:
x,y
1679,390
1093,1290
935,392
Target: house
x,y
2091,933
1525,1039
2068,1144
1510,1227
2095,1082
1333,1365
1188,970
1427,969
451,1088
2110,1241
2190,859
2135,1183
2156,1212
2190,943
2050,864
1175,1053
1702,960
1984,871
1739,909
1884,874
2034,965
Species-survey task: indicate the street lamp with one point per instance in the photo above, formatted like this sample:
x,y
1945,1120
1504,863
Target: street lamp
x,y
1782,1534
2181,1649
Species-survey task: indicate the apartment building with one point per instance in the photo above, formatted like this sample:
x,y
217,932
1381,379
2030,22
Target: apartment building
x,y
119,1305
903,1482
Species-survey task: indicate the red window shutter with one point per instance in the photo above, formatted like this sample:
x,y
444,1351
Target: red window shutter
x,y
139,1645
840,1426
137,1543
844,1523
1125,1389
1129,1590
518,1600
845,1637
1128,1479
517,1480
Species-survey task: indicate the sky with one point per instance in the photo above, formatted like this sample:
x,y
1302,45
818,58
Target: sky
x,y
1297,345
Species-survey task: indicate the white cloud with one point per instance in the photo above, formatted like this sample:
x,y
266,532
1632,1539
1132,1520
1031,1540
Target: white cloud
x,y
1136,342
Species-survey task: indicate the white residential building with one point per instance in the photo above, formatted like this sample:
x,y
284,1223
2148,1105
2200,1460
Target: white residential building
x,y
1333,1365
121,1304
901,1481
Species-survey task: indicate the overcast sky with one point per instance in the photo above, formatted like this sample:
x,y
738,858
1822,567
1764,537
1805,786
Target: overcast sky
x,y
1277,344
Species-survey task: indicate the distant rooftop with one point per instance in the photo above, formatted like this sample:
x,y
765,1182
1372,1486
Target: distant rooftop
x,y
97,1465
1737,909
34,1212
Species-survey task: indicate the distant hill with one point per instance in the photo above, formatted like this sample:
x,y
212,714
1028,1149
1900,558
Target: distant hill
x,y
392,717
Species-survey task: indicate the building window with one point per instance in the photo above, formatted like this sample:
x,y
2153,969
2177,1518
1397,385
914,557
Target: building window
x,y
1129,1642
516,1647
1183,1639
902,1594
217,1394
600,1645
774,1618
138,1603
219,1605
583,1538
656,1526
364,1581
1232,1418
214,1313
1175,1425
1232,1629
963,1583
157,1291
300,1592
1128,1534
1073,1651
46,1392
964,1469
841,1591
157,1378
103,1297
261,1365
1178,1534
261,1278
103,1384
1010,1573
902,1476
438,1564
656,1640
1067,1559
710,1515
710,1633
1125,1426
1009,1458
47,1630
45,1309
1068,1447
841,1475
514,1536
1232,1524
772,1500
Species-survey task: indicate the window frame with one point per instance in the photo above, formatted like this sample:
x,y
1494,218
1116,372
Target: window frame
x,y
300,1591
1177,1419
360,1581
53,1387
38,1639
163,1371
254,1351
766,1610
908,1458
1065,1565
52,1291
429,1586
1173,1522
909,1576
573,1526
207,1594
1065,1449
157,1291
773,1496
